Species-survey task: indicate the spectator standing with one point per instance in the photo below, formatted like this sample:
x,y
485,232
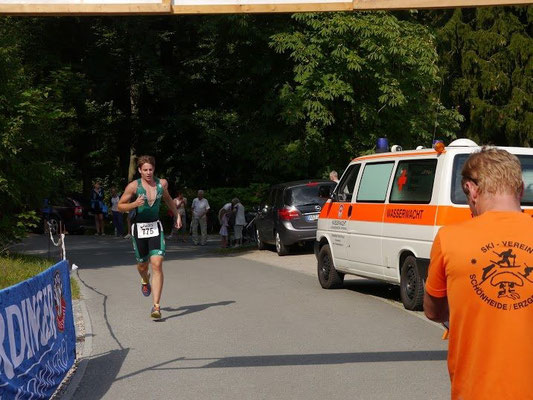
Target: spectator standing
x,y
334,176
480,281
200,207
240,220
223,218
181,203
117,215
98,207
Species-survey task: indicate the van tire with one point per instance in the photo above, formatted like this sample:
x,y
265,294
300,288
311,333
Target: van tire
x,y
328,276
281,248
411,285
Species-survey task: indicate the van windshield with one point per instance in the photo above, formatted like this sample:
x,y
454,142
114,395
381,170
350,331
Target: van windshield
x,y
306,194
458,196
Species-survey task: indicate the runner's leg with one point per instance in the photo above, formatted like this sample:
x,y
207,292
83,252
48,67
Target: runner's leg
x,y
143,271
157,278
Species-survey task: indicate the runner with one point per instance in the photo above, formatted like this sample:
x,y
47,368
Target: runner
x,y
146,229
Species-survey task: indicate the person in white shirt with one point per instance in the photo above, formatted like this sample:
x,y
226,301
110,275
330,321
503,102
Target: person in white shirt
x,y
199,207
240,220
117,215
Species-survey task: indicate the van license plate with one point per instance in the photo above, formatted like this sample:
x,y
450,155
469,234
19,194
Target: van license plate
x,y
310,218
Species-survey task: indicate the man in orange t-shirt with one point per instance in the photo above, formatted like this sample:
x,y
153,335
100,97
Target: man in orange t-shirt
x,y
481,280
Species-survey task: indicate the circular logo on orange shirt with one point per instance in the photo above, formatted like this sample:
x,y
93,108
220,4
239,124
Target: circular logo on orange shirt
x,y
504,280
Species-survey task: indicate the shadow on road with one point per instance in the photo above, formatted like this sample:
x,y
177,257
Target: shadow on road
x,y
296,360
192,309
102,368
373,288
321,359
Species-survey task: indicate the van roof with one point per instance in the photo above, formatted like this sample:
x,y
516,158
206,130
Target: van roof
x,y
431,152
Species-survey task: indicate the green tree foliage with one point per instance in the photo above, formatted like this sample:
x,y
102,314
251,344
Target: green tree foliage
x,y
357,77
229,101
486,55
30,143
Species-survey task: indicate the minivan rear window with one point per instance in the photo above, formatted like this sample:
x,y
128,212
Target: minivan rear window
x,y
458,196
306,194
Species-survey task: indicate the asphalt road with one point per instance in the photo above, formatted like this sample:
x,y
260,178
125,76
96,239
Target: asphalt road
x,y
247,326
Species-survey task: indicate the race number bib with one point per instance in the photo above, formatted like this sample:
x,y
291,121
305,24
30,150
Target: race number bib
x,y
147,229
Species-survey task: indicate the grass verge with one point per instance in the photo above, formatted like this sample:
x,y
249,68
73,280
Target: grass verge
x,y
16,268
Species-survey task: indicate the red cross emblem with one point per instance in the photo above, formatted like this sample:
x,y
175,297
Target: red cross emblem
x,y
403,180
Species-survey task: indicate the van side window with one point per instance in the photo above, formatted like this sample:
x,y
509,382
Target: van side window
x,y
413,182
346,186
526,161
527,176
374,182
458,196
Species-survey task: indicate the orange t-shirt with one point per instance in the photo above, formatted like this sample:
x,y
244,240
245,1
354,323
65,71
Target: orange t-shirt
x,y
485,267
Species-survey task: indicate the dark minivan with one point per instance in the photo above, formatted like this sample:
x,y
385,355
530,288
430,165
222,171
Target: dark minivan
x,y
290,212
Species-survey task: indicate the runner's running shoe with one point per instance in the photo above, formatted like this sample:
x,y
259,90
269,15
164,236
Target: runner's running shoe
x,y
156,312
146,289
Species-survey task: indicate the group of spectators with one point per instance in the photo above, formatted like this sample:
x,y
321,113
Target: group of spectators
x,y
231,217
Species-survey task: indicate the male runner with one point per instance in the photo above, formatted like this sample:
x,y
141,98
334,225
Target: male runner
x,y
146,229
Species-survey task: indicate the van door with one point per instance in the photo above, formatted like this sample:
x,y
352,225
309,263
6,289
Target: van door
x,y
410,213
365,225
338,211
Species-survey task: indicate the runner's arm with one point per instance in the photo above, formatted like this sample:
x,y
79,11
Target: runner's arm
x,y
124,204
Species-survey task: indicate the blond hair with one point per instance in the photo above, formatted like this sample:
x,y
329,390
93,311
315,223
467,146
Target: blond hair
x,y
145,159
494,171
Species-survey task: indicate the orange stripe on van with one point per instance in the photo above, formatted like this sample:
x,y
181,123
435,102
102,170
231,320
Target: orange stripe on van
x,y
367,212
395,155
447,215
411,214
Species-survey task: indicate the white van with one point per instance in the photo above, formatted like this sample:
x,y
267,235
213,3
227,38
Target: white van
x,y
386,210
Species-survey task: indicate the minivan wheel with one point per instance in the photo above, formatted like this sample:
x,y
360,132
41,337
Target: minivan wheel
x,y
260,243
328,276
282,249
411,285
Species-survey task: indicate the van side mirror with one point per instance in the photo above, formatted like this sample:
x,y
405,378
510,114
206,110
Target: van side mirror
x,y
324,191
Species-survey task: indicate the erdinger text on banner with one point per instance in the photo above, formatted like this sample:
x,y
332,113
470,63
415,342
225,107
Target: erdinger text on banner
x,y
37,336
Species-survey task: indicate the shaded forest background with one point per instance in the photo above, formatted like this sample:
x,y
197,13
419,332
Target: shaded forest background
x,y
238,100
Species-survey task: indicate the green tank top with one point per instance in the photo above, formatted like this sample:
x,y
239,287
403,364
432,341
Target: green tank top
x,y
145,213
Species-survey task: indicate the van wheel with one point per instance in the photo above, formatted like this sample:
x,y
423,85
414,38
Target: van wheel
x,y
411,285
328,276
282,249
260,243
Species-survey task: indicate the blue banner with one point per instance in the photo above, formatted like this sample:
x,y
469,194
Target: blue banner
x,y
37,337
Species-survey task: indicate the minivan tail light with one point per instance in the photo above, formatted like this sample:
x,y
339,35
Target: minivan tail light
x,y
288,213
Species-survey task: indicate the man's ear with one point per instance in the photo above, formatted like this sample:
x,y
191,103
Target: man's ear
x,y
473,190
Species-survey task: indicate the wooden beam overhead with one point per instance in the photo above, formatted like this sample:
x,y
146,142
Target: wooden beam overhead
x,y
151,7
